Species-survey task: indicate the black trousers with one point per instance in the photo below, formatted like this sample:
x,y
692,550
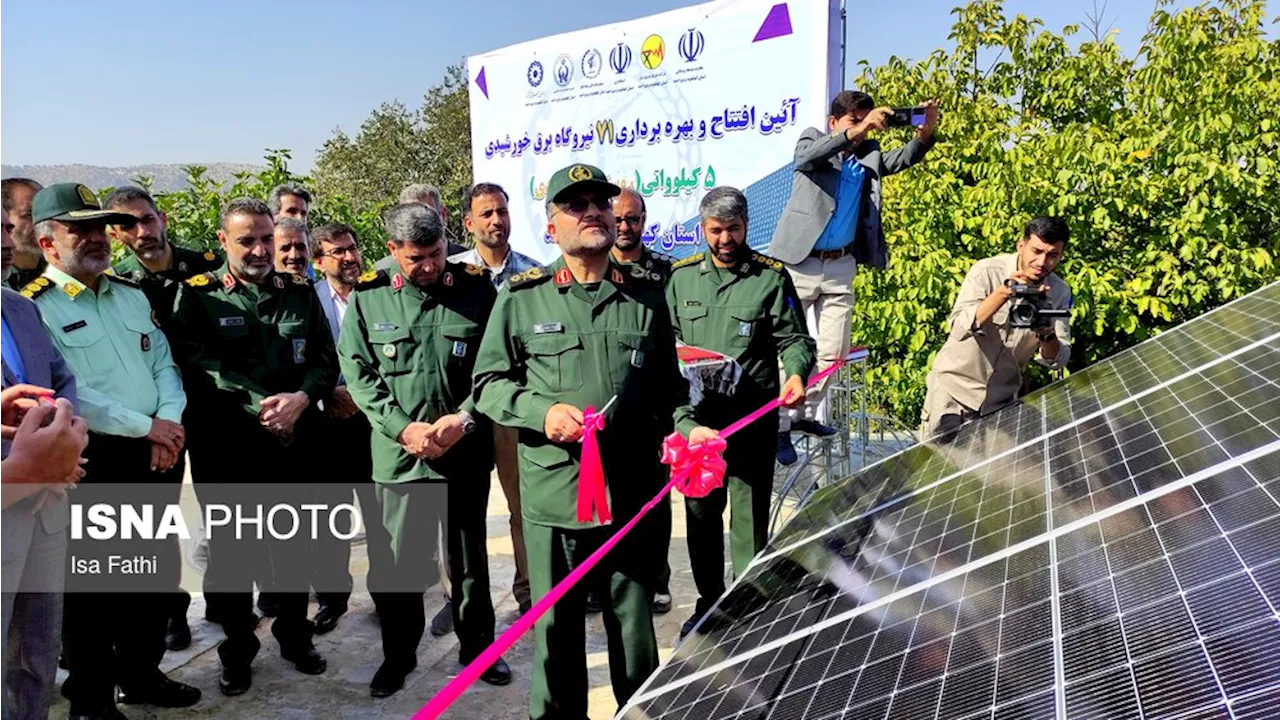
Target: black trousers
x,y
114,622
347,471
261,472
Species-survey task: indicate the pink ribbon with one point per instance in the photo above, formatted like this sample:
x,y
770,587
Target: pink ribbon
x,y
697,469
704,458
591,491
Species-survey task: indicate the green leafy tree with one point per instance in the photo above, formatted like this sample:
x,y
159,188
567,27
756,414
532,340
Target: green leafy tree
x,y
1163,165
397,146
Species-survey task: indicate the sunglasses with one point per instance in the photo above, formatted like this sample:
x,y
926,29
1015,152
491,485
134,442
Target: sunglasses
x,y
579,205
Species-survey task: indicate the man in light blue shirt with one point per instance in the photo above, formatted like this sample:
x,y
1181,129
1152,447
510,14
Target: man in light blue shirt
x,y
487,218
131,396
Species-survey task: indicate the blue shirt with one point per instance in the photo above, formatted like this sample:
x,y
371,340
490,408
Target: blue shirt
x,y
843,224
12,357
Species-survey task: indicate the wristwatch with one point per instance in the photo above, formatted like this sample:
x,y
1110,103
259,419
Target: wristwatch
x,y
468,422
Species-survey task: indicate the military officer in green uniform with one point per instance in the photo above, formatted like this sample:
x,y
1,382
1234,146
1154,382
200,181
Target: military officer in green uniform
x,y
630,213
577,335
158,267
742,304
131,396
156,264
408,343
256,355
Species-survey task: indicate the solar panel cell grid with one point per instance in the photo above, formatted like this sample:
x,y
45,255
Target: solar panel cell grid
x,y
1108,547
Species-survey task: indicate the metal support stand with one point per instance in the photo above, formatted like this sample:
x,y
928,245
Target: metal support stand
x,y
827,460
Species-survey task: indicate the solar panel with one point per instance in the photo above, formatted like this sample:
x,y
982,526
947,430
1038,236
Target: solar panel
x,y
1107,547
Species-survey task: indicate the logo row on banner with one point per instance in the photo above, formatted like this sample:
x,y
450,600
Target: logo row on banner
x,y
653,51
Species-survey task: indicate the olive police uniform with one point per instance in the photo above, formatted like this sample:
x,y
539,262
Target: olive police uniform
x,y
125,376
239,343
552,340
660,265
161,288
750,313
406,353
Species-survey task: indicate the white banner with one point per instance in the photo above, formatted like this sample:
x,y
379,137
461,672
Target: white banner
x,y
671,105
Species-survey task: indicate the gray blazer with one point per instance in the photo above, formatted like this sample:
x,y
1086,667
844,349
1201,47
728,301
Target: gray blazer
x,y
813,195
44,367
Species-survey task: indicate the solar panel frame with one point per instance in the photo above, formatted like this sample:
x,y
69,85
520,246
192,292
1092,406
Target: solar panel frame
x,y
1192,416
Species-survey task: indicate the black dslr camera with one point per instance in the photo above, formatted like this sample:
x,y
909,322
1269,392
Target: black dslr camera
x,y
1030,307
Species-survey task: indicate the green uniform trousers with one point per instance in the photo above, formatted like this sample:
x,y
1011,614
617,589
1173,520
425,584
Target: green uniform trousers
x,y
748,491
411,515
625,577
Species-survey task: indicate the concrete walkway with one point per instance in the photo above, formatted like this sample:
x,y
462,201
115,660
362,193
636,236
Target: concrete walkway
x,y
354,652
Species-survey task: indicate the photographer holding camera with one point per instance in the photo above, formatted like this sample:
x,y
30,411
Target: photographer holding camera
x,y
1009,307
831,225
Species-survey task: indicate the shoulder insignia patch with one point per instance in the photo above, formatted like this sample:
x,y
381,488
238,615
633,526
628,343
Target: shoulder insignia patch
x,y
373,279
766,261
201,280
693,259
473,269
528,276
36,288
122,279
209,256
300,280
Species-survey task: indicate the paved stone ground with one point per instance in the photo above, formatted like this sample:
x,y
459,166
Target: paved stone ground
x,y
354,652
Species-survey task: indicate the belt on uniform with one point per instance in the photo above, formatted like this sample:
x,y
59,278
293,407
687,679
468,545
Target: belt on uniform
x,y
832,254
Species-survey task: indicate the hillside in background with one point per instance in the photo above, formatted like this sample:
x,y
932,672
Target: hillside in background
x,y
164,178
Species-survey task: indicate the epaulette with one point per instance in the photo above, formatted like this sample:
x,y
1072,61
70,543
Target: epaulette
x,y
528,277
766,261
641,273
208,256
121,279
301,280
203,280
36,288
693,259
373,279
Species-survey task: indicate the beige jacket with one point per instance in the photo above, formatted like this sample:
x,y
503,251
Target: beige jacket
x,y
981,367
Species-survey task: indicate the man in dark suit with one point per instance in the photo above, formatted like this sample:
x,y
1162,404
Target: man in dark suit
x,y
34,523
832,224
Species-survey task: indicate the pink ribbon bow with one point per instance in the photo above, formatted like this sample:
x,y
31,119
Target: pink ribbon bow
x,y
697,469
592,498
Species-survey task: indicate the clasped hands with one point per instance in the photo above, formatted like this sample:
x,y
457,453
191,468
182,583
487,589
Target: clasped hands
x,y
429,441
280,412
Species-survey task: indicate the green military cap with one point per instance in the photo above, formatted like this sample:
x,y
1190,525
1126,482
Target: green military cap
x,y
576,177
73,202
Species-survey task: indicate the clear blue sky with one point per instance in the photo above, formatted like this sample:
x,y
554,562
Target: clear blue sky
x,y
218,81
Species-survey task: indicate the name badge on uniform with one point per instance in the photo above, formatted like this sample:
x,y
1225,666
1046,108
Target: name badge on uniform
x,y
236,321
299,350
744,329
543,328
637,358
459,348
146,342
74,326
384,326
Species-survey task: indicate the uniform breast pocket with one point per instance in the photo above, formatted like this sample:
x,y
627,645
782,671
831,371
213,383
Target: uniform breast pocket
x,y
745,326
633,349
87,348
460,343
394,349
293,343
693,323
141,331
555,361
